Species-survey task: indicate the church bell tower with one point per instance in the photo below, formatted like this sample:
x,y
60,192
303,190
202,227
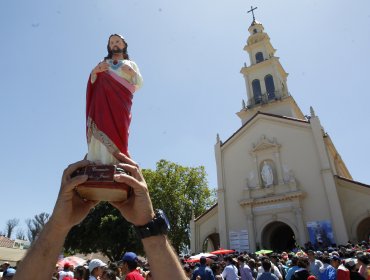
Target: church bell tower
x,y
265,79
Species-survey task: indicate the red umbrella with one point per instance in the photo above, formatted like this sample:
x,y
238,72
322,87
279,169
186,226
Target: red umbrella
x,y
222,251
72,260
196,258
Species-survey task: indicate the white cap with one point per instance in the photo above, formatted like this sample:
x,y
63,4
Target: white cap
x,y
95,263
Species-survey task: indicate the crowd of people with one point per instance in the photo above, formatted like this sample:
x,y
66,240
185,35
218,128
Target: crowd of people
x,y
129,267
350,262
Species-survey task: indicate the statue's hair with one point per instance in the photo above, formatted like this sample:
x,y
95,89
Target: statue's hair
x,y
110,53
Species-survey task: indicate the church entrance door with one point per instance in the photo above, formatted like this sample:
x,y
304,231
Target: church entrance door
x,y
363,230
278,236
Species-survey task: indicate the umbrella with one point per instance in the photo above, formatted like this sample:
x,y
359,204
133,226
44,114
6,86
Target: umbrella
x,y
196,258
222,251
73,260
262,252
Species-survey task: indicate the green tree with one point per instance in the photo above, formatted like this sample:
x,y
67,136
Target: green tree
x,y
103,230
179,190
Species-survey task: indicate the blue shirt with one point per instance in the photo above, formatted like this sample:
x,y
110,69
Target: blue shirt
x,y
291,272
204,272
329,273
267,276
315,266
245,272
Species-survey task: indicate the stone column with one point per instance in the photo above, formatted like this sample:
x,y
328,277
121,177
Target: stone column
x,y
221,197
251,233
300,226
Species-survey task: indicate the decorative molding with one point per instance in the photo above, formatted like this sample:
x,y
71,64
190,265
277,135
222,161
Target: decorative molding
x,y
265,144
271,199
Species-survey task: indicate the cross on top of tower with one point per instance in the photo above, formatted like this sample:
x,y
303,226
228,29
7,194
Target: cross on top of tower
x,y
251,10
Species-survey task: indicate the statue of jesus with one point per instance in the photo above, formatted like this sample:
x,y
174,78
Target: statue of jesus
x,y
109,94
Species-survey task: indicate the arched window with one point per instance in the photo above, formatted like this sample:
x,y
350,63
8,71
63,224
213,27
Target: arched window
x,y
259,57
270,87
257,94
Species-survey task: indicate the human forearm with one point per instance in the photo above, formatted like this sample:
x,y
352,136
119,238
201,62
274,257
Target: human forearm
x,y
45,251
163,261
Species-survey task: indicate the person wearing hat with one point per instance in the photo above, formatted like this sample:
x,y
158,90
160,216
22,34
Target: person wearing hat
x,y
9,274
129,267
66,271
203,270
96,269
70,210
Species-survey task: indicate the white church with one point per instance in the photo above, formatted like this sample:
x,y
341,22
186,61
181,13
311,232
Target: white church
x,y
281,181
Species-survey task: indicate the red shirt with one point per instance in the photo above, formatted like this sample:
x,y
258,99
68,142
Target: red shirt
x,y
134,275
343,273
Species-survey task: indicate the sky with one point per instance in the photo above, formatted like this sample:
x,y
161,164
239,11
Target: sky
x,y
190,54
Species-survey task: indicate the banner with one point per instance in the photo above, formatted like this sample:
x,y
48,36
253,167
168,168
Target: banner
x,y
321,233
239,240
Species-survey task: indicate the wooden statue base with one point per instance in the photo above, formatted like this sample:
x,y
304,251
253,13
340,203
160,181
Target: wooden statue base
x,y
100,184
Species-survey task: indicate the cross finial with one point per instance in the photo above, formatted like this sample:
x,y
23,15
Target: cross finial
x,y
251,10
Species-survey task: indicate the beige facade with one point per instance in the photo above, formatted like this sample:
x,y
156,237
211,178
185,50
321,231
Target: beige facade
x,y
281,182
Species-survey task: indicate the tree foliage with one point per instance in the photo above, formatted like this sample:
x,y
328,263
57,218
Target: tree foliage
x,y
10,225
179,191
35,225
103,230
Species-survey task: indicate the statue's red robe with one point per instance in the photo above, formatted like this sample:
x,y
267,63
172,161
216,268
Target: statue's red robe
x,y
108,113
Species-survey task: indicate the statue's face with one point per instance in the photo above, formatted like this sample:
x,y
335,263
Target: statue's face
x,y
116,44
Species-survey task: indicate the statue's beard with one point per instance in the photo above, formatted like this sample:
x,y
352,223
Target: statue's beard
x,y
117,50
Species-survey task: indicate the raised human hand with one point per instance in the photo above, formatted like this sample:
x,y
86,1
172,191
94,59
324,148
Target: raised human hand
x,y
70,209
138,209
